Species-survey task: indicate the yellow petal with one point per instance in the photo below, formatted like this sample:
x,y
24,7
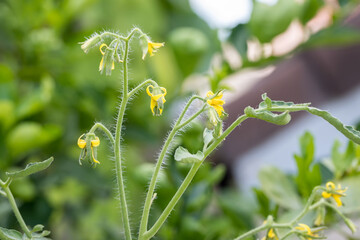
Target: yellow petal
x,y
326,194
164,90
81,142
96,161
330,185
101,46
95,142
156,97
337,199
152,105
113,66
157,45
271,233
304,227
209,94
219,110
148,90
101,67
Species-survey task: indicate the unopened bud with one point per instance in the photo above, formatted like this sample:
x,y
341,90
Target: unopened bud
x,y
350,225
90,43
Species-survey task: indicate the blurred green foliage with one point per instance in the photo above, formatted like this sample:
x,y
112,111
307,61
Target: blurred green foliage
x,y
51,92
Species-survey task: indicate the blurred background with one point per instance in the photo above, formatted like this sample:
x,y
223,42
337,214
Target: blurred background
x,y
51,93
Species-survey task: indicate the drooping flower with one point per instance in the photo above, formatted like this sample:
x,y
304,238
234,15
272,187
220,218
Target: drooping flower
x,y
157,96
216,102
336,193
148,46
93,143
106,59
306,230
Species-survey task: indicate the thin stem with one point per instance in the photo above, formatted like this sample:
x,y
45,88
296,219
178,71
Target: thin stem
x,y
141,85
195,115
113,35
155,228
287,234
117,149
252,232
105,130
147,205
307,206
188,179
15,209
2,193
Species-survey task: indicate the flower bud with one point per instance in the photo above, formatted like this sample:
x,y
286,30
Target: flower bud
x,y
350,224
93,41
320,216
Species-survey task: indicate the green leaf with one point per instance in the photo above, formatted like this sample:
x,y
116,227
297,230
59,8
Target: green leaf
x,y
278,119
10,234
183,155
308,177
307,148
348,131
309,10
342,161
277,187
31,168
266,21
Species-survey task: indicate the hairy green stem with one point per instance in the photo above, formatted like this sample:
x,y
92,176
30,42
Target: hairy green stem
x,y
155,228
105,130
15,209
141,85
149,195
117,148
186,182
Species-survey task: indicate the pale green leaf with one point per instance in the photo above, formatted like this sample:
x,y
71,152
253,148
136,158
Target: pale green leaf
x,y
208,137
278,119
31,168
183,155
10,234
278,188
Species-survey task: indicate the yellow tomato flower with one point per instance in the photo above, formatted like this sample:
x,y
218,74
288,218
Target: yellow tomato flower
x,y
102,64
148,46
334,192
306,229
216,102
94,143
157,99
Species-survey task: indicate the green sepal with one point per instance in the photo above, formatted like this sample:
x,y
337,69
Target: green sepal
x,y
208,136
184,156
37,228
30,169
278,119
